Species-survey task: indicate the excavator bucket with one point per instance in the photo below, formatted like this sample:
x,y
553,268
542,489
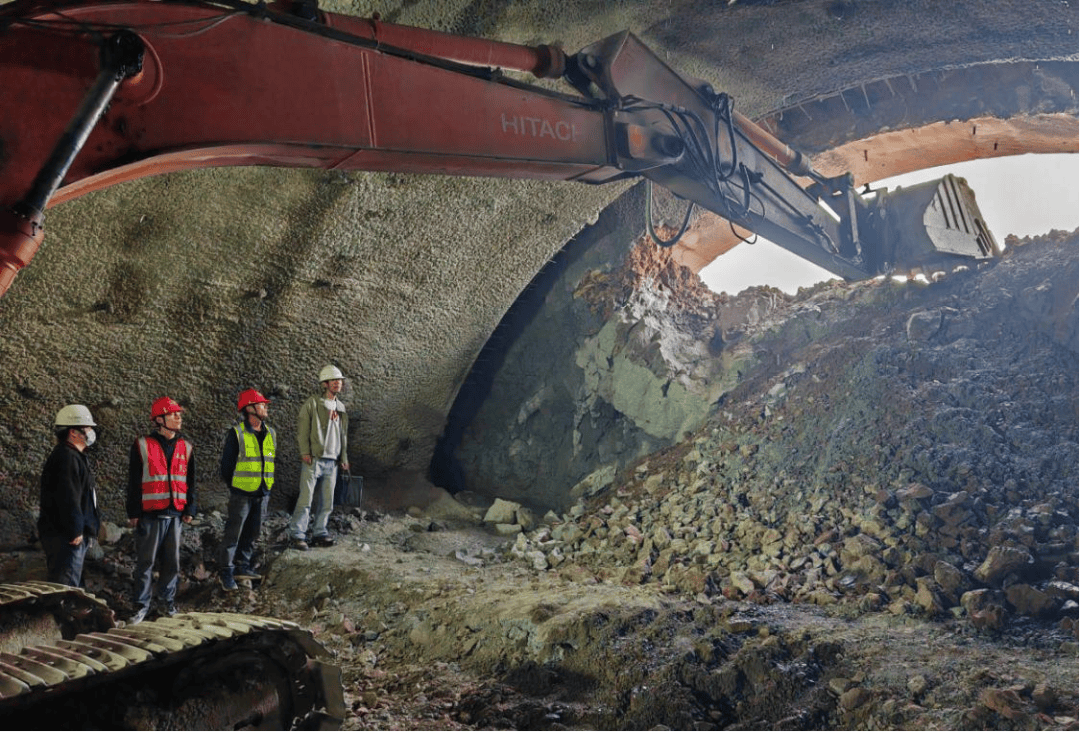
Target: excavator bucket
x,y
931,226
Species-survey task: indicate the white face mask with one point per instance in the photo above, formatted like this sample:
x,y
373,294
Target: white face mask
x,y
91,436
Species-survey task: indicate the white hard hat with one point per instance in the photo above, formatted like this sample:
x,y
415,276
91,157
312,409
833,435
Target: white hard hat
x,y
75,415
329,373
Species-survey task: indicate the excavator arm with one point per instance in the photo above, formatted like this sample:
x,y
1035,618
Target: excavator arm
x,y
102,92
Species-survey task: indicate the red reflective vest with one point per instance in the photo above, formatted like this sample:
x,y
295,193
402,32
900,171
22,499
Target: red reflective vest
x,y
163,484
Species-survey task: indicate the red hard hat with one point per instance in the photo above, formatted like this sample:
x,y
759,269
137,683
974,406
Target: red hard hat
x,y
164,405
251,396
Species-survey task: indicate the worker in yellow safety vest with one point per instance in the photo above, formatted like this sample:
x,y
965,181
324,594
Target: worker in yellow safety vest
x,y
247,467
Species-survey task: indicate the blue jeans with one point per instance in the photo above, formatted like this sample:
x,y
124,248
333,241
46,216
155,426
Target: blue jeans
x,y
63,561
153,536
246,511
316,498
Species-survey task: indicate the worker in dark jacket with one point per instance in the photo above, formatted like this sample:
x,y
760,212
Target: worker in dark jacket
x,y
69,518
160,499
247,467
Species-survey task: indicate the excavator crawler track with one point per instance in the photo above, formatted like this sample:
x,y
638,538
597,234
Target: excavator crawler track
x,y
64,661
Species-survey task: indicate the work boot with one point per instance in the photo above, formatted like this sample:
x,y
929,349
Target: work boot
x,y
299,544
139,616
246,573
227,582
322,541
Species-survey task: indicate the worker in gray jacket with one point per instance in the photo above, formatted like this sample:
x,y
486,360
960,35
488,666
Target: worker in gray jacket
x,y
322,430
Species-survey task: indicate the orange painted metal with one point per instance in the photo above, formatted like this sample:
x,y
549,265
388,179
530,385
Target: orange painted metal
x,y
221,87
792,160
227,83
20,239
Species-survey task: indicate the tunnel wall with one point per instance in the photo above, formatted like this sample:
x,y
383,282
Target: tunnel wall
x,y
202,284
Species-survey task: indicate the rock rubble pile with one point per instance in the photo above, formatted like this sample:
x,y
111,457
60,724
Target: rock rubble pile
x,y
941,481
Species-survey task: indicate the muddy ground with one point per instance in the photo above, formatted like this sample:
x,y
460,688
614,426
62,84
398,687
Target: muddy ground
x,y
437,626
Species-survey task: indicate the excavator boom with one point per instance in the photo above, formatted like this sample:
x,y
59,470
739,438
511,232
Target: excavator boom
x,y
103,92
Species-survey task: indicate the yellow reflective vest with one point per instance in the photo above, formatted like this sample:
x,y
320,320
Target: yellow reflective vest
x,y
253,465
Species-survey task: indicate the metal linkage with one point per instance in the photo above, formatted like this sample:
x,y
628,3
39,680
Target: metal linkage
x,y
22,227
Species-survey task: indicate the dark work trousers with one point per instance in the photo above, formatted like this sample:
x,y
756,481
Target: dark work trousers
x,y
246,511
154,536
63,561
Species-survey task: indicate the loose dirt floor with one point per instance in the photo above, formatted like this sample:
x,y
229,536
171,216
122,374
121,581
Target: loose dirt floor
x,y
436,626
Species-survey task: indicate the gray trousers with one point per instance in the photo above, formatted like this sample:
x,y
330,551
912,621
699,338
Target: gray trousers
x,y
316,498
154,536
63,561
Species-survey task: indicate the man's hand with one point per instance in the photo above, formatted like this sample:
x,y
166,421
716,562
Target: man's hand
x,y
344,466
76,541
186,519
306,459
133,522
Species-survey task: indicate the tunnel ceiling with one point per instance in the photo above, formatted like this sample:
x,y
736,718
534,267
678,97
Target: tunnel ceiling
x,y
205,283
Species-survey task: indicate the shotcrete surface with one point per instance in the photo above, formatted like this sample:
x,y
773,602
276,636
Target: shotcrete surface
x,y
199,285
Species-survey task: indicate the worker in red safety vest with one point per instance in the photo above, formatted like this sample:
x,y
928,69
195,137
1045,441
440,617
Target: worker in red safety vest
x,y
160,499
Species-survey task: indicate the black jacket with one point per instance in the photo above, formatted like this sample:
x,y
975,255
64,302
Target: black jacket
x,y
68,495
230,451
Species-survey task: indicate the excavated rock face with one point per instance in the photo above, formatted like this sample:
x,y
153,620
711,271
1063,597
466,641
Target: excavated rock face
x,y
203,284
654,358
619,362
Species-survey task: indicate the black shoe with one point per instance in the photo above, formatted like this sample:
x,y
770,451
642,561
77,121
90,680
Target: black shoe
x,y
227,582
247,573
298,544
170,609
322,541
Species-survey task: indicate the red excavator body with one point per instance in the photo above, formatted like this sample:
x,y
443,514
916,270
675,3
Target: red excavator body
x,y
98,93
